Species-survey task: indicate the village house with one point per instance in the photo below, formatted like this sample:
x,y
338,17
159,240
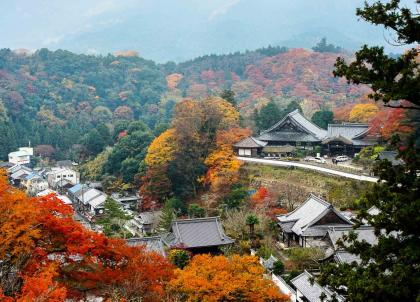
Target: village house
x,y
34,183
17,173
308,224
295,132
57,175
197,235
144,223
127,200
22,156
91,202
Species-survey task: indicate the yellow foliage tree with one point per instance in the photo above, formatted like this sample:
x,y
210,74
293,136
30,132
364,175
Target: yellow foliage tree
x,y
212,279
363,113
161,150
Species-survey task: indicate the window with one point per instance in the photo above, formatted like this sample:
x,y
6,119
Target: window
x,y
247,152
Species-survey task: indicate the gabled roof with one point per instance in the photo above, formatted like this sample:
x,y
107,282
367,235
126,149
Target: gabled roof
x,y
312,292
197,232
250,142
76,188
339,138
88,195
364,233
391,156
152,244
32,175
348,130
302,221
20,174
297,119
97,201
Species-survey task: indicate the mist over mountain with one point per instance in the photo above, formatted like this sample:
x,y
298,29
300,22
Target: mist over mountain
x,y
167,30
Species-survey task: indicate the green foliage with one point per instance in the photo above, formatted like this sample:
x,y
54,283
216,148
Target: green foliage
x,y
265,252
93,142
278,268
303,258
168,214
113,219
196,211
229,96
322,46
235,197
177,205
391,79
56,98
267,116
322,118
179,258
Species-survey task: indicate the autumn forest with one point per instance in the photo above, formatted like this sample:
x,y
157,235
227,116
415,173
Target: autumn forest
x,y
267,175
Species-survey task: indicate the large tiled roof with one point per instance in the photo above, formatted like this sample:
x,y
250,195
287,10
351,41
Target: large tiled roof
x,y
250,142
364,233
288,136
303,218
197,232
312,291
348,130
306,213
152,244
297,119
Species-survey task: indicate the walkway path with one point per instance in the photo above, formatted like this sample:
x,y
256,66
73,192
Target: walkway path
x,y
281,163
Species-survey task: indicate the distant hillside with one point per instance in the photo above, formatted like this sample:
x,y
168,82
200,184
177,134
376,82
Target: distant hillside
x,y
56,97
284,75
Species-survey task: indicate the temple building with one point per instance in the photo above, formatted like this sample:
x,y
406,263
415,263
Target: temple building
x,y
295,132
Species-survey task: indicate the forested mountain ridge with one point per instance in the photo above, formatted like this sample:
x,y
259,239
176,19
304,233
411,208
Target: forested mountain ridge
x,y
63,100
278,73
54,98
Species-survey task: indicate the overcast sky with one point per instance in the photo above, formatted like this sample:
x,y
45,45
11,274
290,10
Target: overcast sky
x,y
181,29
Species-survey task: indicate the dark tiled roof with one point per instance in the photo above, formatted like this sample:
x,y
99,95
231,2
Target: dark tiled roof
x,y
64,163
279,149
198,232
288,136
364,233
152,243
390,156
308,214
312,292
348,130
250,142
301,122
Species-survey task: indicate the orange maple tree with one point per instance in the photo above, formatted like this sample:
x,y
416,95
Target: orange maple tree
x,y
223,167
47,256
218,278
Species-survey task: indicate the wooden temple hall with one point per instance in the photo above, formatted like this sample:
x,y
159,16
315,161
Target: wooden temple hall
x,y
295,132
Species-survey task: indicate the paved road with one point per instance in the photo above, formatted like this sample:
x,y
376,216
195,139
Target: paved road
x,y
281,163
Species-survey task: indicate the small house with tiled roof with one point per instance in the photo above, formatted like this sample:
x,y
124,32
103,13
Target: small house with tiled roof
x,y
308,224
198,235
250,147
